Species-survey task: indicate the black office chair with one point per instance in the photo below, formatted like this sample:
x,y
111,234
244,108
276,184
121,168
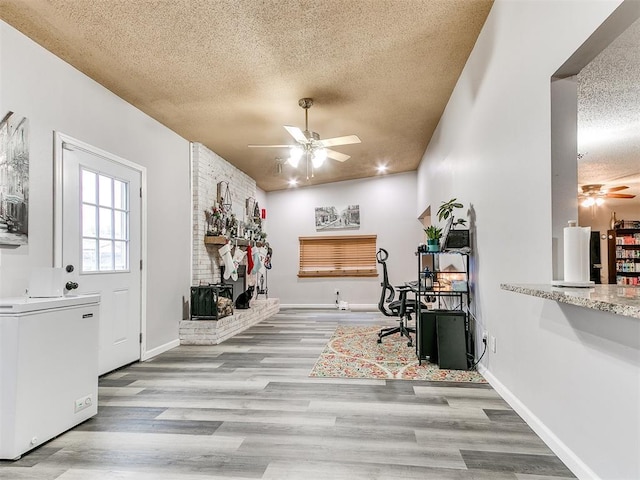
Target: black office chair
x,y
401,308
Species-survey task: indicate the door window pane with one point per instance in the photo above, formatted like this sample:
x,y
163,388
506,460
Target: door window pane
x,y
106,223
104,191
88,187
106,255
120,225
88,221
89,255
119,195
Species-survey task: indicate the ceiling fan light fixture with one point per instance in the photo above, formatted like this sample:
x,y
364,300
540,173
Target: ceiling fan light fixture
x,y
319,156
294,156
588,202
599,201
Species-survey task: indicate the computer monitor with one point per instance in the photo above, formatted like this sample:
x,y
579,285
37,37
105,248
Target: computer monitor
x,y
457,239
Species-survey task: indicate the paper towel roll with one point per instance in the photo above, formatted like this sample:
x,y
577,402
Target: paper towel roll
x,y
576,254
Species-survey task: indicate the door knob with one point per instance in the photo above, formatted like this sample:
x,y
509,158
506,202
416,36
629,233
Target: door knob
x,y
71,285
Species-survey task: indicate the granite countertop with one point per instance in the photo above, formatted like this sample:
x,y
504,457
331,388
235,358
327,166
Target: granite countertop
x,y
618,299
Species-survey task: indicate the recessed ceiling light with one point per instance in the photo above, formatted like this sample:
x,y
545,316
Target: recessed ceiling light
x,y
382,168
293,182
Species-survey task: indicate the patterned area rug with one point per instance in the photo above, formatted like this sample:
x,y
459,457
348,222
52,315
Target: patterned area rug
x,y
354,352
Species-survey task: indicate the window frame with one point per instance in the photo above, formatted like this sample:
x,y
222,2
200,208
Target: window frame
x,y
337,256
98,237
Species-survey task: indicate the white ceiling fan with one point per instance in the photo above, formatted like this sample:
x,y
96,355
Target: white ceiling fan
x,y
310,146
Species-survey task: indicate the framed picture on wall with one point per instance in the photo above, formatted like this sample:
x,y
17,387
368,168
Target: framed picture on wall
x,y
14,180
338,218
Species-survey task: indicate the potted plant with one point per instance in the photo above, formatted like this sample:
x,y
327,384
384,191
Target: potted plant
x,y
454,239
446,210
433,238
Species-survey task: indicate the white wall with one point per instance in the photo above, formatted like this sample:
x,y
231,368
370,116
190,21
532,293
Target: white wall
x,y
386,210
564,166
572,372
261,198
56,97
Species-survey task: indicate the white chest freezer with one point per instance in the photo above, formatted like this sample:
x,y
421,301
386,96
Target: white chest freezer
x,y
48,368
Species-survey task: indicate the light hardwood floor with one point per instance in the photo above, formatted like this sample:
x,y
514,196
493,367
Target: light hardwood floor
x,y
248,409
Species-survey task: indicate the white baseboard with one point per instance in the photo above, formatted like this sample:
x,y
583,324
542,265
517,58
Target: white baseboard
x,y
330,306
364,307
161,349
304,306
564,453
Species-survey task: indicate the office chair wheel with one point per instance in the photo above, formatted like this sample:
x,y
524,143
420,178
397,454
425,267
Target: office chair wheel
x,y
379,340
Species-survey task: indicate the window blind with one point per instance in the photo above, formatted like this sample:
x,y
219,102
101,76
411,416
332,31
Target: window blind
x,y
338,256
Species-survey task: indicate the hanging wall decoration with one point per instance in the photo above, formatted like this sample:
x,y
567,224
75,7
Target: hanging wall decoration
x,y
338,218
224,197
14,180
249,205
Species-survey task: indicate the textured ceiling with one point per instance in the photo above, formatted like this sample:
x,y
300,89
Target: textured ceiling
x,y
609,117
230,73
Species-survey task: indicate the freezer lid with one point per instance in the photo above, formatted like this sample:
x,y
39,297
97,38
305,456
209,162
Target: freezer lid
x,y
11,306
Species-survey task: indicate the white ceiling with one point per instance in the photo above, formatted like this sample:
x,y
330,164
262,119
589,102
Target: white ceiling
x,y
609,118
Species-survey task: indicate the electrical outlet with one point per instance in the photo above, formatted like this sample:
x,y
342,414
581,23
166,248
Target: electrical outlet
x,y
493,344
83,402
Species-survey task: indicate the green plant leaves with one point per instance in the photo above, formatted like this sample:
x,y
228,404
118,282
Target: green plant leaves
x,y
446,210
433,232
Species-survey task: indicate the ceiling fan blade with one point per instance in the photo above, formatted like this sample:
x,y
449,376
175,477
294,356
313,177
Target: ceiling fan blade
x,y
269,146
619,195
616,189
332,142
341,157
296,133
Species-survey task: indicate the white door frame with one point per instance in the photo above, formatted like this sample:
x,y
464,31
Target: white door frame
x,y
59,140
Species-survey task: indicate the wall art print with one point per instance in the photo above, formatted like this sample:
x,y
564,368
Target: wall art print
x,y
338,218
14,180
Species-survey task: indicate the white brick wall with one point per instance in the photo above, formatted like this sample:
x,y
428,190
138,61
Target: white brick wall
x,y
208,169
213,332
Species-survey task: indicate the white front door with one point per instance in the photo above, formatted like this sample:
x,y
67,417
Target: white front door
x,y
100,235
